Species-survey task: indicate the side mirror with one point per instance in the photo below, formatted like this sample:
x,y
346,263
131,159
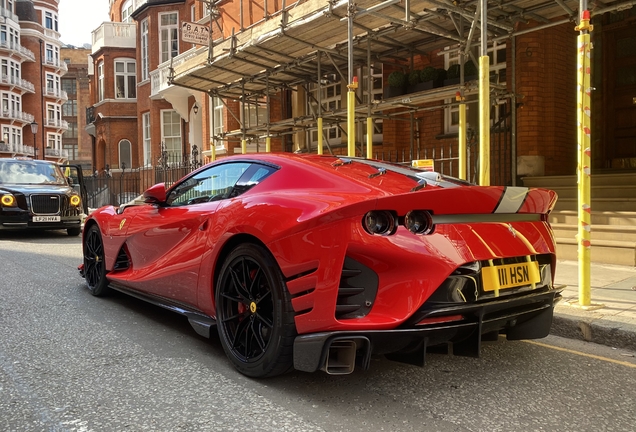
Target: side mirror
x,y
155,194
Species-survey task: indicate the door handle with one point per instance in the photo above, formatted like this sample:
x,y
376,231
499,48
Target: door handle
x,y
203,226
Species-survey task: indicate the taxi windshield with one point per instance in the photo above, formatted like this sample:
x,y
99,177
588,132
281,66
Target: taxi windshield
x,y
30,172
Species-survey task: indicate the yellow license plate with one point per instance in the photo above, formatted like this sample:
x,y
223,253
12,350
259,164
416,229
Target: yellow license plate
x,y
510,275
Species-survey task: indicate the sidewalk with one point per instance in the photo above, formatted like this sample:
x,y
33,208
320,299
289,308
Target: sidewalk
x,y
613,325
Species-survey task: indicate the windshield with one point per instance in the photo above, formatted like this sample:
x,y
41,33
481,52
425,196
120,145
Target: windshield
x,y
30,172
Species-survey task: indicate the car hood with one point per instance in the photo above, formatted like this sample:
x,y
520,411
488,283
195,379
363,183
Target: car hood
x,y
34,189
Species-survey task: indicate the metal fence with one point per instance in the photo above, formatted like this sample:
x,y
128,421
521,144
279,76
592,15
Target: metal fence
x,y
118,186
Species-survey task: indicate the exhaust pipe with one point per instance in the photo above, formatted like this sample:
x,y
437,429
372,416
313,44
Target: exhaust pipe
x,y
341,357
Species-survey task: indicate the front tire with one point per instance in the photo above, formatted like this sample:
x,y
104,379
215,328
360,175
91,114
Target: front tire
x,y
94,262
254,314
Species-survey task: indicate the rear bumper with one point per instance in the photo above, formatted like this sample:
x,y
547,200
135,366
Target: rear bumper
x,y
522,317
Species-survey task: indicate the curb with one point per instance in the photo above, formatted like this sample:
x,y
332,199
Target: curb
x,y
600,331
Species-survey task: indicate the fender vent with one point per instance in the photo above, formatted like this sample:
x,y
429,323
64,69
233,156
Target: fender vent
x,y
123,261
357,291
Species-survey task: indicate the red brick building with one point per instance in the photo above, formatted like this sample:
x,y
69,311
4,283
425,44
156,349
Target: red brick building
x,y
30,85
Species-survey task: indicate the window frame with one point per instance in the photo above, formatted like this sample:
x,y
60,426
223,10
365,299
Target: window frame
x,y
170,28
145,125
120,145
173,152
130,89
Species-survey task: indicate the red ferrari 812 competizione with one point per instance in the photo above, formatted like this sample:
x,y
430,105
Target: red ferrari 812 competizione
x,y
318,262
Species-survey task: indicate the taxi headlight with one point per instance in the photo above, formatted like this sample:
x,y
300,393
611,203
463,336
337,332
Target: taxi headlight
x,y
75,200
8,200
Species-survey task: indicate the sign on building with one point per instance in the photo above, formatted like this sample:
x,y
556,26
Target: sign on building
x,y
195,33
425,164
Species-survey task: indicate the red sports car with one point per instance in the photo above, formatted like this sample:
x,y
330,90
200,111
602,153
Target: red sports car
x,y
318,262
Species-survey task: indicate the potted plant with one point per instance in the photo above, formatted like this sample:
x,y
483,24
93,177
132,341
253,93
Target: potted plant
x,y
397,84
453,74
439,79
428,75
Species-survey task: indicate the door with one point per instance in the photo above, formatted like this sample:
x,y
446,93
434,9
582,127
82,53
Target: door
x,y
166,242
620,96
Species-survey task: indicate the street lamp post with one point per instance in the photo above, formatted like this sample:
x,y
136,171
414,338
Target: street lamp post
x,y
34,130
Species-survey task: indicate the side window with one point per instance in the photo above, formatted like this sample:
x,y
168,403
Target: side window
x,y
212,184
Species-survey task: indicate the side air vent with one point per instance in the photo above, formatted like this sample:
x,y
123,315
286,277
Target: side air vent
x,y
357,291
123,261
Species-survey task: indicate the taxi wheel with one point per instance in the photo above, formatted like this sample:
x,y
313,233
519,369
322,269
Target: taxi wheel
x,y
94,263
254,314
73,232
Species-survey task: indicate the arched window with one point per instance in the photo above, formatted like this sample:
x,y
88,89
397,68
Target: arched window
x,y
125,154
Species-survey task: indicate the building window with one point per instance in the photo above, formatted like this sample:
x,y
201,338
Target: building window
x,y
12,136
11,104
145,121
497,60
171,134
126,11
9,37
376,94
125,79
52,55
145,70
125,154
71,132
168,36
69,109
52,84
50,21
71,149
69,86
216,116
100,81
331,99
54,115
54,141
10,71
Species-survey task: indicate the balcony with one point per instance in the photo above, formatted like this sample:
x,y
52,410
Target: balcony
x,y
53,152
57,94
113,34
55,63
51,34
159,77
16,115
90,115
8,14
23,85
16,48
16,149
57,124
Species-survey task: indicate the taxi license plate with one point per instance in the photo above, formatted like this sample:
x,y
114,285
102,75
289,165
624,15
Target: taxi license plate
x,y
46,218
510,275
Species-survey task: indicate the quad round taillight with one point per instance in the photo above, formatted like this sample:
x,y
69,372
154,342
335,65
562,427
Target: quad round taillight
x,y
419,222
380,222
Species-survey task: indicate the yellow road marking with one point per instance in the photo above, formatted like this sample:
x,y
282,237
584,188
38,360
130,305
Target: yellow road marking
x,y
607,359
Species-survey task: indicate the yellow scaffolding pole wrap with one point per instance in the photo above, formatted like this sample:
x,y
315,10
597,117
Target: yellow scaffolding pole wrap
x,y
320,137
484,121
584,124
351,120
243,146
268,144
369,138
462,138
212,151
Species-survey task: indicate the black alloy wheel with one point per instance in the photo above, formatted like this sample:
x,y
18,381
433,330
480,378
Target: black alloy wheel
x,y
255,318
94,262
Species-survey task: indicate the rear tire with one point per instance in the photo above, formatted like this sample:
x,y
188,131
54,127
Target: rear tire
x,y
255,318
94,262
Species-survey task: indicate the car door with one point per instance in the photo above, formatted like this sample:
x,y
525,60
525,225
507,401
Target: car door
x,y
166,242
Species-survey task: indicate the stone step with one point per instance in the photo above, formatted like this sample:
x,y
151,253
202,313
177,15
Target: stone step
x,y
605,252
554,182
570,217
600,204
599,232
619,192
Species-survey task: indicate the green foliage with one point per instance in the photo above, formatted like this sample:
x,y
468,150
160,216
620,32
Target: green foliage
x,y
414,77
441,74
453,71
470,69
397,79
429,73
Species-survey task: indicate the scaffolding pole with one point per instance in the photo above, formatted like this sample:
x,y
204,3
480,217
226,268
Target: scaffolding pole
x,y
584,125
352,85
484,101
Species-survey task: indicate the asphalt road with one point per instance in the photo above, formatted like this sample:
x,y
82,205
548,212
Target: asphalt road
x,y
73,362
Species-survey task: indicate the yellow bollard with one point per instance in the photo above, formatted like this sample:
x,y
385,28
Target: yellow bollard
x,y
268,144
351,117
243,146
369,138
462,138
320,137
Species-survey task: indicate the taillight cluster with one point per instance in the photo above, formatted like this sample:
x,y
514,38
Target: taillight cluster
x,y
385,222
